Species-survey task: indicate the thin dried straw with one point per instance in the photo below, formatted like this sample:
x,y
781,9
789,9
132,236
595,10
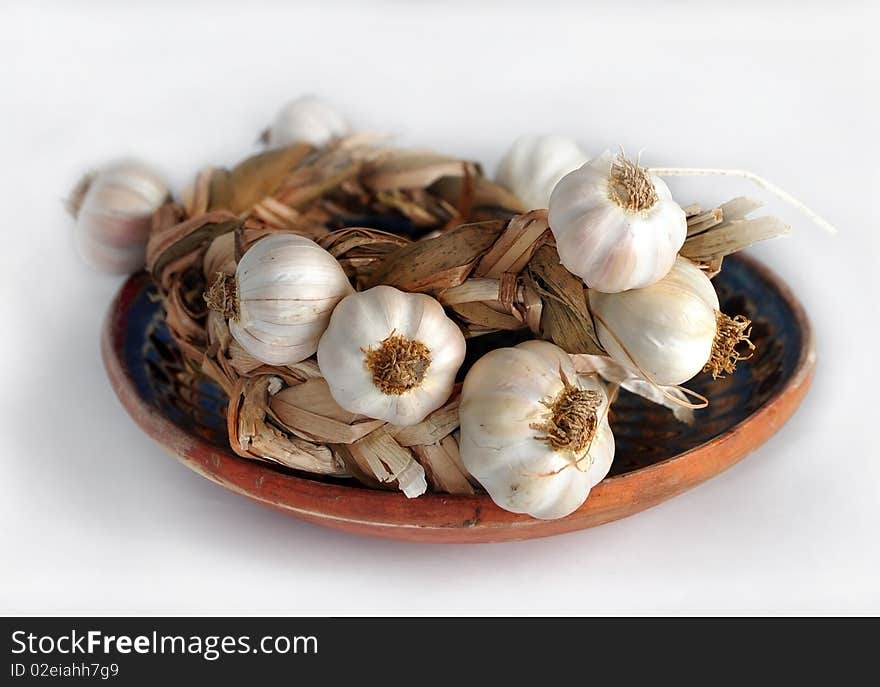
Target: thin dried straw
x,y
751,176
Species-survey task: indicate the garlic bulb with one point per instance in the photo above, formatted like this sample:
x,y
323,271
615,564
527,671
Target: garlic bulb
x,y
534,164
390,355
280,299
670,330
306,120
616,224
113,210
533,433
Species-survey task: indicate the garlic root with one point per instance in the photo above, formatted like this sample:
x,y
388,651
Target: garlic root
x,y
732,332
398,364
572,421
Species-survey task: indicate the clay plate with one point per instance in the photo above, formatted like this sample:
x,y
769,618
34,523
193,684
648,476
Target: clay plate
x,y
657,457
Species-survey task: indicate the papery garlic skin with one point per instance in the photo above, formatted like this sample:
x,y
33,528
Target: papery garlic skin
x,y
666,330
613,236
220,256
306,120
113,210
533,166
364,325
285,287
505,397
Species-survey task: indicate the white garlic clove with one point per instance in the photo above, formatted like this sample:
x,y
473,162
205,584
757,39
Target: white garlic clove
x,y
113,209
280,299
667,329
510,398
616,225
391,355
306,120
533,166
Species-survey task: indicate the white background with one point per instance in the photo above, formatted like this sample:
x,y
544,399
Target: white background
x,y
95,518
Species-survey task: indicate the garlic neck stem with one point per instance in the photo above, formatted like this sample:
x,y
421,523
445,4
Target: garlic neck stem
x,y
629,185
754,178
